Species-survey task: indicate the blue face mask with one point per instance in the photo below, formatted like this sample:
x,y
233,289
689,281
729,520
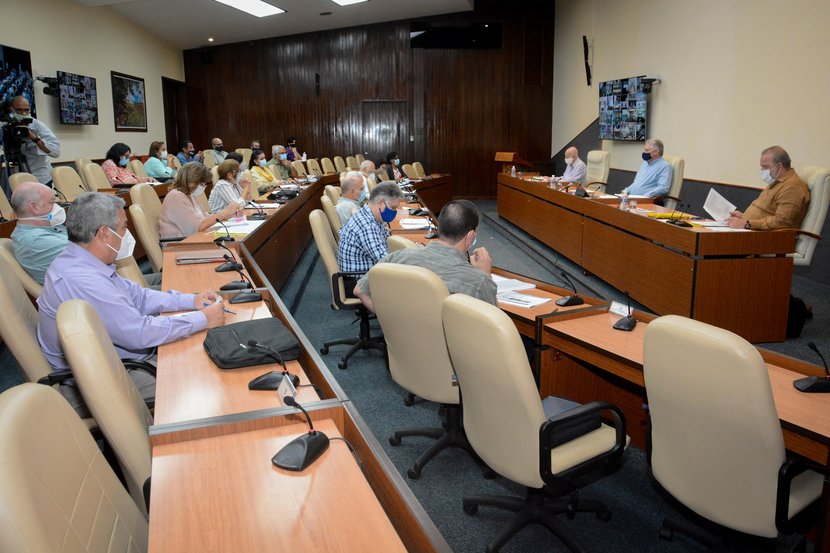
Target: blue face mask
x,y
362,197
646,157
388,215
123,162
397,161
283,157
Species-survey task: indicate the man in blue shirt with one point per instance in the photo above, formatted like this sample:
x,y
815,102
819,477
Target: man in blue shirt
x,y
39,235
189,153
363,237
654,175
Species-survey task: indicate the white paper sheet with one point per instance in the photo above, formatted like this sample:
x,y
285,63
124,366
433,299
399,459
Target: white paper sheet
x,y
717,206
510,284
521,300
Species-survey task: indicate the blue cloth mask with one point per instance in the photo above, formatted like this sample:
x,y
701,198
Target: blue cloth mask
x,y
646,157
123,162
388,215
363,197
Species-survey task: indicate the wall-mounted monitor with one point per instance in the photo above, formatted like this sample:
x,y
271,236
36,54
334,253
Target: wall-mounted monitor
x,y
15,77
622,110
78,98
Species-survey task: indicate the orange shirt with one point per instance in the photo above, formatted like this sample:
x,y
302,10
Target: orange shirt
x,y
782,204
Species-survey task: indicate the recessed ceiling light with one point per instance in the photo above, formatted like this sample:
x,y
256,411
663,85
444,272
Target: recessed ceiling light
x,y
348,2
257,8
325,13
210,39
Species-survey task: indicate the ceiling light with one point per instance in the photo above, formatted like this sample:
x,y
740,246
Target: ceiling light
x,y
210,39
257,8
348,2
325,13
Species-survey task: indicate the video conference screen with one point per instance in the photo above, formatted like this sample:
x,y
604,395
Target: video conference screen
x,y
15,77
78,99
622,110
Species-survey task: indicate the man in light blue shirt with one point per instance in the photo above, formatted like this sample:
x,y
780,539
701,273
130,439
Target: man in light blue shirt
x,y
40,143
39,235
654,175
576,169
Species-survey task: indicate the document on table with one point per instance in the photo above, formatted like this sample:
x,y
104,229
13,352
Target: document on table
x,y
415,223
236,227
510,284
717,206
521,300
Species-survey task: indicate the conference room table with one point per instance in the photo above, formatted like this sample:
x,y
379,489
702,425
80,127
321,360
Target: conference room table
x,y
737,280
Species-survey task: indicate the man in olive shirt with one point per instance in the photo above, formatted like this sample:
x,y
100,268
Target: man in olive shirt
x,y
783,203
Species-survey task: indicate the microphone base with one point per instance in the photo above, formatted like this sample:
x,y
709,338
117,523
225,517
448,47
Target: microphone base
x,y
226,267
257,217
678,223
225,239
569,301
246,297
272,380
235,285
813,385
299,453
626,324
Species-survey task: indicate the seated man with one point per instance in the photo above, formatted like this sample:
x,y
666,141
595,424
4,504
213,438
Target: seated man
x,y
783,203
279,158
40,234
352,195
369,172
576,168
363,238
218,152
188,153
98,235
654,175
447,256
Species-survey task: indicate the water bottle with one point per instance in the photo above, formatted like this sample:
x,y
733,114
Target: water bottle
x,y
513,171
624,203
304,157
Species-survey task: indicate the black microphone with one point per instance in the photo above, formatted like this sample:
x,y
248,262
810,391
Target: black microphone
x,y
679,221
814,384
227,238
565,188
627,323
230,262
245,296
568,301
260,215
299,453
271,380
66,201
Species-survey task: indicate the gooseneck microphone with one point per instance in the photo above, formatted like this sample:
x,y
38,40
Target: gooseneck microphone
x,y
227,238
271,380
679,220
260,214
569,301
299,453
814,384
245,296
230,261
627,323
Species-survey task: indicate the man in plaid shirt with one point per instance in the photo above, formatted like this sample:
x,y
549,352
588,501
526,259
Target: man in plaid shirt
x,y
363,237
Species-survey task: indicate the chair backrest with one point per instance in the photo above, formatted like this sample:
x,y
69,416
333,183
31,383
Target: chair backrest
x,y
145,212
57,492
360,158
716,440
138,168
209,161
79,168
96,179
395,243
67,182
299,168
109,392
597,167
327,246
409,171
328,166
129,269
5,207
275,172
177,163
18,326
246,154
490,361
340,165
214,174
32,287
352,163
419,169
818,181
678,165
332,216
425,372
333,193
314,167
20,178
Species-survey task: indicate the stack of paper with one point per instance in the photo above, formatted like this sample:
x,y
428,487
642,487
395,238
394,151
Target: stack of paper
x,y
511,284
236,228
415,223
521,300
717,206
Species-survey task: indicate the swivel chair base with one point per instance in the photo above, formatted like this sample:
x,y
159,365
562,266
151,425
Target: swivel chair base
x,y
364,340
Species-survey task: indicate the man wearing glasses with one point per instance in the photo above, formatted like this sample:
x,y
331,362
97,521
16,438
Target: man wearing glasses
x,y
39,145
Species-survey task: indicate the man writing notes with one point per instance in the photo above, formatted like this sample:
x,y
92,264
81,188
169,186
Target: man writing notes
x,y
654,175
576,169
363,237
783,203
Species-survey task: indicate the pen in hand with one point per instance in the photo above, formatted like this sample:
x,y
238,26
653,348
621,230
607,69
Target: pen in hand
x,y
205,304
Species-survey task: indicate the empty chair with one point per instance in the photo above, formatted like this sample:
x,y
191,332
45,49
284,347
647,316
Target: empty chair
x,y
79,168
328,166
314,168
673,197
395,243
209,161
57,492
360,158
699,377
67,183
352,163
419,169
109,392
818,181
138,168
409,171
144,213
19,178
96,179
299,168
177,164
214,174
597,168
246,153
32,287
332,216
333,192
507,425
340,165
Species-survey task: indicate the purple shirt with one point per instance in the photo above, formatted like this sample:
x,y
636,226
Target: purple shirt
x,y
129,312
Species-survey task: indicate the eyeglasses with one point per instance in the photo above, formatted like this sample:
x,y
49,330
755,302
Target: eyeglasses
x,y
23,111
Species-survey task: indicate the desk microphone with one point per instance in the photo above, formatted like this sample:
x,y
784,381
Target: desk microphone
x,y
229,265
260,214
679,221
227,238
565,188
271,380
568,301
245,296
814,384
300,452
627,323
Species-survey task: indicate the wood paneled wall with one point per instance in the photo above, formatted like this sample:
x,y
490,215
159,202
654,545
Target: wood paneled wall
x,y
462,105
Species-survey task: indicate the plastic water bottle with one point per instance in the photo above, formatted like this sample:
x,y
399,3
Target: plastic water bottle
x,y
304,157
513,171
624,203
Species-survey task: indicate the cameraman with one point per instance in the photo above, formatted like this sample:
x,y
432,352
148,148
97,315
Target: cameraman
x,y
40,144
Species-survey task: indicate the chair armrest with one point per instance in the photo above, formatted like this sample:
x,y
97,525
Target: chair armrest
x,y
600,183
808,233
137,364
163,241
791,468
335,286
55,377
660,199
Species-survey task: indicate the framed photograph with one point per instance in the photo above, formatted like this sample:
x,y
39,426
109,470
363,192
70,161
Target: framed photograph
x,y
129,103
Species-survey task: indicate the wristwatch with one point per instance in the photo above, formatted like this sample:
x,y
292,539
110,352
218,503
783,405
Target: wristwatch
x,y
748,226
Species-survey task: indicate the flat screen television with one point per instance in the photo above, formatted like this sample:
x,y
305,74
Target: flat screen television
x,y
78,99
15,77
622,110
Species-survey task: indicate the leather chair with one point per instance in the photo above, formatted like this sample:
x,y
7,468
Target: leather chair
x,y
340,165
17,179
360,159
598,165
67,183
409,171
507,426
328,166
426,372
352,163
5,207
32,287
699,377
109,392
138,168
209,161
395,243
672,199
314,168
57,492
818,181
332,216
333,193
129,269
145,212
95,177
327,246
419,169
177,164
79,168
299,168
214,174
246,154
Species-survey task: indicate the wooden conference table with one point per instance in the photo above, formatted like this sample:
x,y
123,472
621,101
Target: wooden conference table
x,y
739,281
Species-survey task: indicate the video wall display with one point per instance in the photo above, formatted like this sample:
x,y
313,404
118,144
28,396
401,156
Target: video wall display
x,y
622,110
78,99
15,77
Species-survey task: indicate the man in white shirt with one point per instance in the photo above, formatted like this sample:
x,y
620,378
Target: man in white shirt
x,y
351,196
575,172
39,144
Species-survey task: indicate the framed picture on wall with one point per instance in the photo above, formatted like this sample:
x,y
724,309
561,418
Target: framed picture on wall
x,y
129,103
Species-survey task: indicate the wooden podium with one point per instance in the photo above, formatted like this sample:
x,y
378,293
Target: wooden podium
x,y
509,159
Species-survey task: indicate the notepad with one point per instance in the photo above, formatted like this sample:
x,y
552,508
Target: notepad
x,y
511,284
521,300
415,223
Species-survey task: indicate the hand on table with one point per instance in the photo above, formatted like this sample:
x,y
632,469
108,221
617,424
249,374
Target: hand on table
x,y
207,297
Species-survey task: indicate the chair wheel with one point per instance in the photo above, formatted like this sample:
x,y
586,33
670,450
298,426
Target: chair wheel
x,y
394,440
409,400
666,533
324,350
414,473
604,516
470,508
488,473
342,365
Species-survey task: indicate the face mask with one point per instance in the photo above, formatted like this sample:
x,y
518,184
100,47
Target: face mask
x,y
20,117
283,157
387,215
219,148
55,217
199,190
262,163
238,177
192,152
766,176
363,197
163,154
123,162
293,144
569,160
646,156
397,162
127,245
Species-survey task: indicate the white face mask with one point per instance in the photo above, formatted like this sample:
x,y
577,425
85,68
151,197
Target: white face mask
x,y
163,154
127,245
199,190
569,160
55,217
766,176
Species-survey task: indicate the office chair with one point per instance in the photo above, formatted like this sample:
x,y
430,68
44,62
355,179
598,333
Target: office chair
x,y
360,159
598,165
95,177
818,181
328,166
209,161
67,183
327,247
416,349
15,180
57,492
395,243
32,287
352,163
332,216
145,212
299,168
716,440
79,168
109,392
138,168
129,269
509,429
314,168
340,165
419,169
245,153
672,199
214,174
409,171
333,192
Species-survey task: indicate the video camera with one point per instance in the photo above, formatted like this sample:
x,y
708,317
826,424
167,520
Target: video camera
x,y
14,132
